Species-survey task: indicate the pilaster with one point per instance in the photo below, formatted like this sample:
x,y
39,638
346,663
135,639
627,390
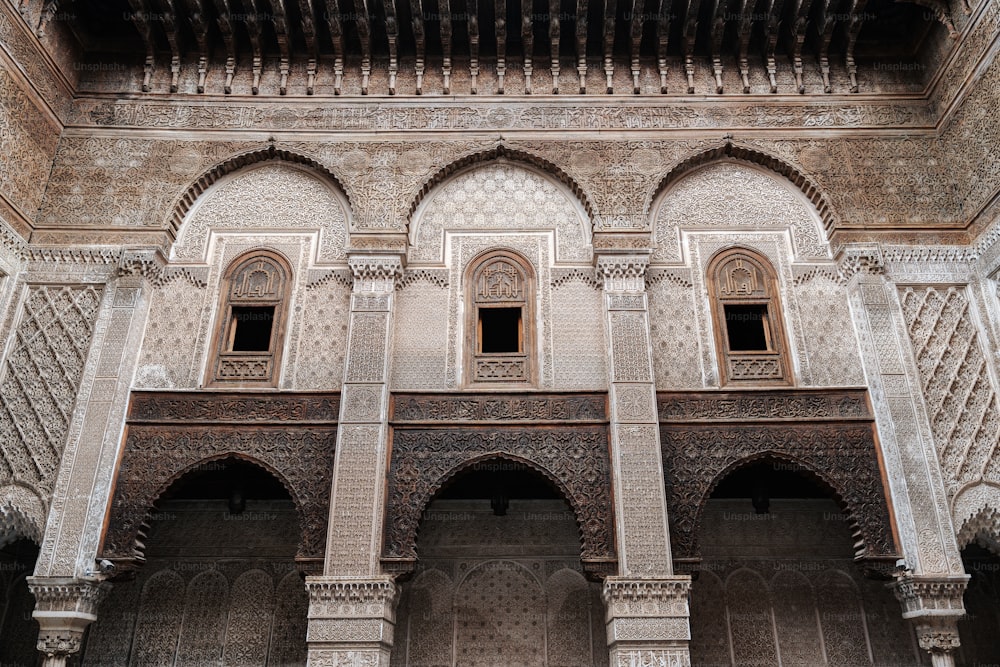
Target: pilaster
x,y
83,486
64,607
647,610
351,611
930,591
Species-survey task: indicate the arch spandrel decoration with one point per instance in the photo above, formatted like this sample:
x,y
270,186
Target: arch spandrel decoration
x,y
500,195
574,459
704,439
737,188
271,195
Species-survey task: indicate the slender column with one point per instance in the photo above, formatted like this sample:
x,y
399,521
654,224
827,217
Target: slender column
x,y
352,605
64,607
930,588
646,605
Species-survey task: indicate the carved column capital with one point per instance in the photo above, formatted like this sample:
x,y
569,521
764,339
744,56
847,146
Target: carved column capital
x,y
622,273
64,607
648,618
860,258
931,596
351,621
934,606
375,273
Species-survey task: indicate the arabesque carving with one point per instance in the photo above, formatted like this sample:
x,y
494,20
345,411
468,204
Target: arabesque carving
x,y
292,436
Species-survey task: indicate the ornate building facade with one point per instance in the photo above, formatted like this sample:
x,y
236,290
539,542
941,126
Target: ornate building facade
x,y
511,333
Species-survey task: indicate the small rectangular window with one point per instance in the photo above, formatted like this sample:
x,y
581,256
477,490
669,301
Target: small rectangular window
x,y
251,328
499,330
746,327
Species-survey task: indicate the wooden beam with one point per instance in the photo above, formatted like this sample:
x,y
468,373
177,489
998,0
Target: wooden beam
x,y
308,17
744,31
610,8
857,20
690,35
718,32
527,42
253,26
662,41
364,29
554,11
199,24
392,34
225,23
581,43
140,19
333,22
473,27
799,27
420,41
771,33
444,8
500,27
825,27
635,42
168,19
280,22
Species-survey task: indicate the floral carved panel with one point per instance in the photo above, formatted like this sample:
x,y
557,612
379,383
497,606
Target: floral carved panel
x,y
169,434
572,456
702,443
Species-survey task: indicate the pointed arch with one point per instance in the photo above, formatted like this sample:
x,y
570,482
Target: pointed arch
x,y
183,204
812,473
501,152
551,478
734,152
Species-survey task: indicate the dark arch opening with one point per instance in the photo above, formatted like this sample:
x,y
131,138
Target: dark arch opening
x,y
779,550
222,537
979,629
18,630
499,578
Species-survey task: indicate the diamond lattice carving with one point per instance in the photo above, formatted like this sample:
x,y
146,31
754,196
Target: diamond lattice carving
x,y
41,378
953,369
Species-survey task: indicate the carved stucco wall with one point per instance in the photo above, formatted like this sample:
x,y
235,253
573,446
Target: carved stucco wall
x,y
959,393
499,205
500,196
271,196
726,204
28,140
40,379
274,206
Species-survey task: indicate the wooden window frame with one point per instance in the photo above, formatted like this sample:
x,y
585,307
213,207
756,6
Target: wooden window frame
x,y
256,368
500,369
748,367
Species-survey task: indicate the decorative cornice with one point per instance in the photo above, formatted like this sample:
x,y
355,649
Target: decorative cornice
x,y
68,255
622,273
371,270
354,592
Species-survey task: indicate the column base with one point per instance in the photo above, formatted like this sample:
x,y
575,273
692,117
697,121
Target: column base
x,y
351,621
64,607
647,621
934,606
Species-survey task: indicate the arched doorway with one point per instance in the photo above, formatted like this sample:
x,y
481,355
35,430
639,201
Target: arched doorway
x,y
219,585
499,578
979,630
778,583
18,630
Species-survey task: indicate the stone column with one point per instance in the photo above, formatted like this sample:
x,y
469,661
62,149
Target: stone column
x,y
64,607
931,588
352,605
646,605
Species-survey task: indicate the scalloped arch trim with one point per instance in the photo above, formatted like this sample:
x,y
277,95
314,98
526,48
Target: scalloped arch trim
x,y
237,162
496,153
732,151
